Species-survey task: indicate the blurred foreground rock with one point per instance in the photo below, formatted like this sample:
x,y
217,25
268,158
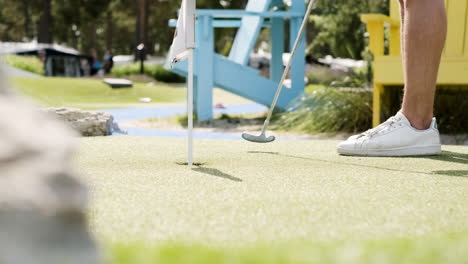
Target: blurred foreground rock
x,y
42,205
87,123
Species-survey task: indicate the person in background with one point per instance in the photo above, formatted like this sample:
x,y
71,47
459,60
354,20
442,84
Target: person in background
x,y
42,54
96,65
85,67
108,62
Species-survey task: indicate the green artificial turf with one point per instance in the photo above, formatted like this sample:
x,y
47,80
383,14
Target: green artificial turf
x,y
93,94
246,200
446,248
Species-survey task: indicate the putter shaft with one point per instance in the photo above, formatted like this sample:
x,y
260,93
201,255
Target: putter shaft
x,y
288,67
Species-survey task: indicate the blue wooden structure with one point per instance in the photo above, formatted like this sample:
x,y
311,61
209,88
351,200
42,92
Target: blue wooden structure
x,y
232,73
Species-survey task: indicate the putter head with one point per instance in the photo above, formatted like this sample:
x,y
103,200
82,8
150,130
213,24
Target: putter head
x,y
258,139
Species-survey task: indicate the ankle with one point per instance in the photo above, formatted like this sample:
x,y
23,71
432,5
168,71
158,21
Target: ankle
x,y
420,122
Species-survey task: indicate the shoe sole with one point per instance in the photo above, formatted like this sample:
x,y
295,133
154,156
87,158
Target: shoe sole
x,y
397,152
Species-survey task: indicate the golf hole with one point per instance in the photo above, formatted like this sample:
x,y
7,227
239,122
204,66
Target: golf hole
x,y
198,164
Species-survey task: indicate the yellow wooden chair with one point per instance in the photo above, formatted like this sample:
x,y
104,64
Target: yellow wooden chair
x,y
388,69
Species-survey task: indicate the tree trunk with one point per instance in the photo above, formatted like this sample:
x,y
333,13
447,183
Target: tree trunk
x,y
109,30
141,26
45,23
25,6
89,42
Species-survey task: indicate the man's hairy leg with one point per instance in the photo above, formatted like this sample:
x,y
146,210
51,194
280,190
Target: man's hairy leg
x,y
424,32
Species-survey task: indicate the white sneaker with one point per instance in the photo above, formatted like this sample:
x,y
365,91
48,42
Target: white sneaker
x,y
394,137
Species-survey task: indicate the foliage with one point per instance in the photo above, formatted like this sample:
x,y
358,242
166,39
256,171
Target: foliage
x,y
112,24
435,249
323,75
102,25
328,110
183,119
156,71
159,73
450,107
26,63
92,94
451,110
337,29
357,78
125,70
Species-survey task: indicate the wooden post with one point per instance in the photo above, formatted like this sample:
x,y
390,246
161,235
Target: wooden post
x,y
376,37
298,64
277,49
395,40
377,102
204,63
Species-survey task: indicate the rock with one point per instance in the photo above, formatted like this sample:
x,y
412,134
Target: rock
x,y
87,123
42,204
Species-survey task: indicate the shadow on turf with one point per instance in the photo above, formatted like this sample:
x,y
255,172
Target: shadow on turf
x,y
264,152
454,157
450,156
446,156
217,173
456,173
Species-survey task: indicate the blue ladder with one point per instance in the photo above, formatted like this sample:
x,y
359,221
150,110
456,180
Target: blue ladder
x,y
232,73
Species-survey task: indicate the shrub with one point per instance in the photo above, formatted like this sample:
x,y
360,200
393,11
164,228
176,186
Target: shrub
x,y
159,73
328,110
450,108
331,110
155,71
323,75
357,78
126,70
183,119
26,63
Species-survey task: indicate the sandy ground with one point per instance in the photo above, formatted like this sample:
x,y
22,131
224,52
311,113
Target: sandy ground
x,y
284,191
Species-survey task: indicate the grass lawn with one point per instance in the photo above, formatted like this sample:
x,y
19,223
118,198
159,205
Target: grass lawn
x,y
286,202
93,94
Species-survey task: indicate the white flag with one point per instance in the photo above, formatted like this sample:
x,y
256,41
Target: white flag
x,y
184,37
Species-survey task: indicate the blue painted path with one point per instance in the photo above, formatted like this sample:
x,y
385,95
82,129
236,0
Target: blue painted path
x,y
134,114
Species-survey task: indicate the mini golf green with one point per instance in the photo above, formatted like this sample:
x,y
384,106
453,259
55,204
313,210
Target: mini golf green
x,y
285,191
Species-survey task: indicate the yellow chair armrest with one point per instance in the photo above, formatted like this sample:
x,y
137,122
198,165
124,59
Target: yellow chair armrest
x,y
379,18
375,26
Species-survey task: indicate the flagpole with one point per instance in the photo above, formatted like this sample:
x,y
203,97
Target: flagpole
x,y
190,108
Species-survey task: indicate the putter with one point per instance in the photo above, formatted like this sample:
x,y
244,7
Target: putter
x,y
262,138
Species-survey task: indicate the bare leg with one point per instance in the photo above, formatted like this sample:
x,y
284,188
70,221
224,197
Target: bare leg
x,y
424,31
402,28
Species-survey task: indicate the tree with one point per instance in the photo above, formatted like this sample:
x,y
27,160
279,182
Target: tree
x,y
114,25
81,23
26,8
109,30
337,29
44,26
14,27
141,26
